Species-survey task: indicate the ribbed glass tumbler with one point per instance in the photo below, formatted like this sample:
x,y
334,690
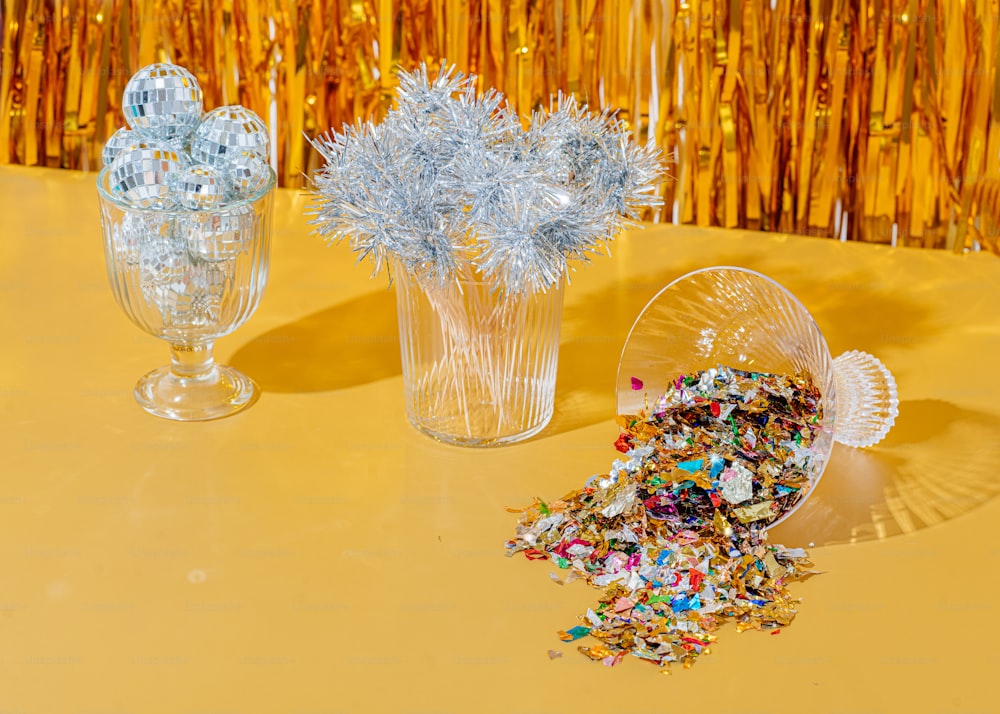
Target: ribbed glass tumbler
x,y
479,364
189,277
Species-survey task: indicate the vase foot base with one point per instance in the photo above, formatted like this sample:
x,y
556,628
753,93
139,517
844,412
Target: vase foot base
x,y
220,392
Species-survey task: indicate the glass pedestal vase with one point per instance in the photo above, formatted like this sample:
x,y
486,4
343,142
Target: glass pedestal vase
x,y
189,277
479,366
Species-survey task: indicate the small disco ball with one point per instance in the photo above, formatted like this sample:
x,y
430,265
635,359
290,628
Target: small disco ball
x,y
199,188
118,141
126,238
142,173
161,264
176,302
227,131
215,277
193,301
164,99
137,230
248,174
210,282
221,235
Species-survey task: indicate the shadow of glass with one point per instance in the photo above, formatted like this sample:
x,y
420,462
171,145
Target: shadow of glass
x,y
349,344
598,323
892,319
937,463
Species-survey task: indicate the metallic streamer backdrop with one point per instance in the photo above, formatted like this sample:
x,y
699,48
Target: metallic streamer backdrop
x,y
869,120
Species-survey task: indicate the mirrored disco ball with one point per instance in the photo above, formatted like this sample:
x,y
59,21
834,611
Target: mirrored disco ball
x,y
195,298
220,235
200,187
161,264
210,281
163,98
127,237
118,141
138,229
143,173
227,131
248,174
176,301
183,149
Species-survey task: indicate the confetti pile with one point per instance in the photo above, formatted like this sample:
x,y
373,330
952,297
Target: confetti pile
x,y
674,534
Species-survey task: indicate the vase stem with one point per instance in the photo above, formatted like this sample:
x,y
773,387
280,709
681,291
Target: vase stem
x,y
191,361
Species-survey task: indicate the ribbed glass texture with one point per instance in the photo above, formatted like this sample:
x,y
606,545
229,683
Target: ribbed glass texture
x,y
866,399
739,318
479,367
189,277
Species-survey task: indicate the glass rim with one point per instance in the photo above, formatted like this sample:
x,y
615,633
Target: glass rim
x,y
106,195
396,268
716,269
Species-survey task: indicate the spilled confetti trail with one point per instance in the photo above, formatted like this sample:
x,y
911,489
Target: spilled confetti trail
x,y
674,535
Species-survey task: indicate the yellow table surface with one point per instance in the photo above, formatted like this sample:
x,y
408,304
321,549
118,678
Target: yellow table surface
x,y
317,554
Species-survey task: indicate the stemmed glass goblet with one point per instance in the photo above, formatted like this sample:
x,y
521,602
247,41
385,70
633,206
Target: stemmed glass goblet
x,y
189,277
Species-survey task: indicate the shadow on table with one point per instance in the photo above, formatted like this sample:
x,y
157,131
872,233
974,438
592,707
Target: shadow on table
x,y
937,463
596,325
346,345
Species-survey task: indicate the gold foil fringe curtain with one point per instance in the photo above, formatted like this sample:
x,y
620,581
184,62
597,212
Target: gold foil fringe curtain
x,y
870,120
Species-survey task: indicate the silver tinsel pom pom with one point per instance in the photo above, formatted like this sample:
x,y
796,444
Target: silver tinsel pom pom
x,y
164,99
200,187
226,132
451,178
142,174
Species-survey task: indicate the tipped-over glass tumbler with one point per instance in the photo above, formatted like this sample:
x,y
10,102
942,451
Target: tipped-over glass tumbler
x,y
189,277
738,318
479,364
